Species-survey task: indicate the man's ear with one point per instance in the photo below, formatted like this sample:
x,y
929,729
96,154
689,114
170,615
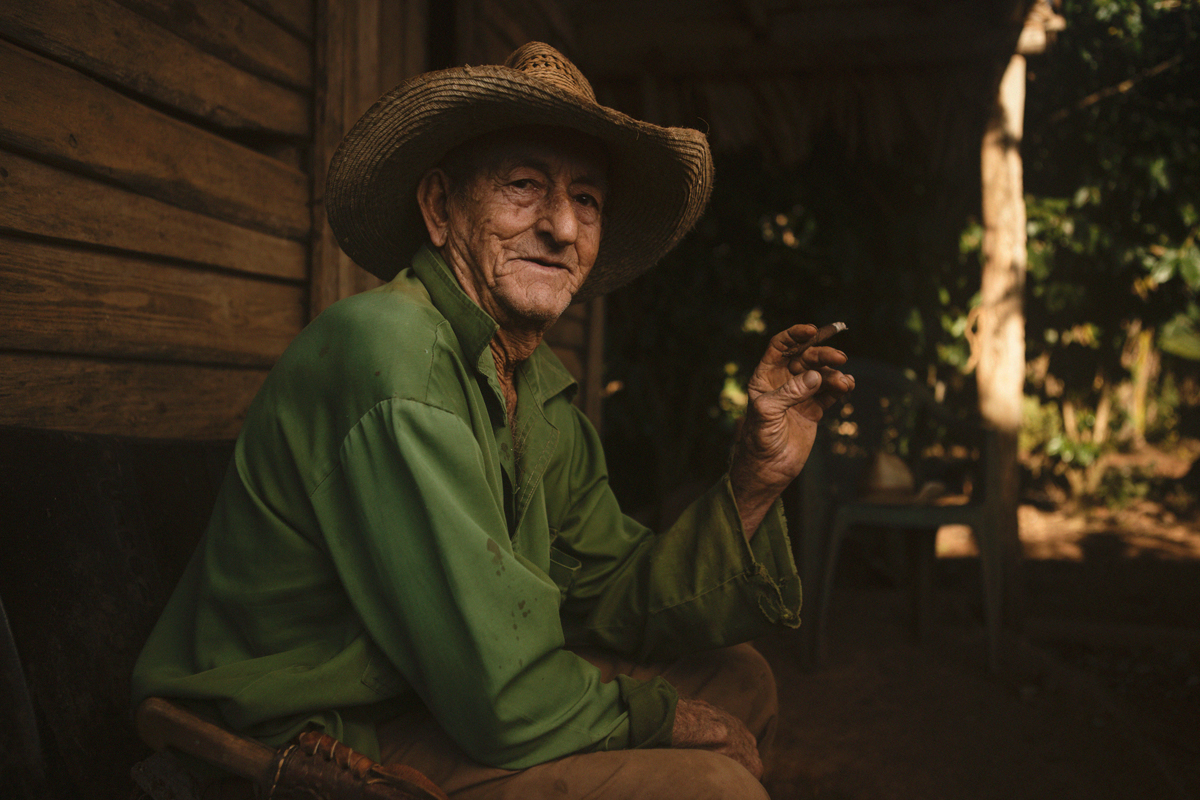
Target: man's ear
x,y
433,196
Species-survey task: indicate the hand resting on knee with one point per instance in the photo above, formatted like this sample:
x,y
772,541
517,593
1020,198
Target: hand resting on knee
x,y
703,726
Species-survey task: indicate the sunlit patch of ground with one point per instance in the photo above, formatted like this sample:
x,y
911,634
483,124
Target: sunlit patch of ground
x,y
1142,529
1131,528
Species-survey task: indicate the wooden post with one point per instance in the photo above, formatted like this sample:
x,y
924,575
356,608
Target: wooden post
x,y
592,399
1001,328
363,48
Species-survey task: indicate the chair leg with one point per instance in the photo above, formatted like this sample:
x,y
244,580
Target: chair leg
x,y
993,587
837,534
923,555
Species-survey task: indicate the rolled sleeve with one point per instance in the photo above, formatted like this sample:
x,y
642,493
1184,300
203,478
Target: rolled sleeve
x,y
697,585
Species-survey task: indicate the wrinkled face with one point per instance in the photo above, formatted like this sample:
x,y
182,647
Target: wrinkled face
x,y
523,221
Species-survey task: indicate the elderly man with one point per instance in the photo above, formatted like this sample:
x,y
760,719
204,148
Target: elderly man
x,y
416,549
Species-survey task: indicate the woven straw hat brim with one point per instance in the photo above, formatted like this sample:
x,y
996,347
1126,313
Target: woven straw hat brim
x,y
660,178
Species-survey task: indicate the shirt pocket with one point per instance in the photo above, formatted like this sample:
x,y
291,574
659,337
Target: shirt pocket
x,y
563,570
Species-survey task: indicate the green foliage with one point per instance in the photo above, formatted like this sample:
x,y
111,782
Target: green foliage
x,y
1124,485
1112,166
1041,423
1112,169
1180,335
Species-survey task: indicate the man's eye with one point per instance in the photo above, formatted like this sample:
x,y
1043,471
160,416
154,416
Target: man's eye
x,y
587,200
522,183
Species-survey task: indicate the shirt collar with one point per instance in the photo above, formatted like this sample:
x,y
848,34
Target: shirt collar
x,y
543,372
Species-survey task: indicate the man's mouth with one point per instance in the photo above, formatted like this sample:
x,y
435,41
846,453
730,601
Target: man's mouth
x,y
545,262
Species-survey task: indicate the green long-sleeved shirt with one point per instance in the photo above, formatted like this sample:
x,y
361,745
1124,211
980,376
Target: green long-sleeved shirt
x,y
384,532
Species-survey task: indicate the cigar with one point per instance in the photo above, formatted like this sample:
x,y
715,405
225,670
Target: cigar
x,y
825,331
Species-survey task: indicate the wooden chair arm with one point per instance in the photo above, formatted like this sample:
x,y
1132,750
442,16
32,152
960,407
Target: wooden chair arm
x,y
314,767
164,725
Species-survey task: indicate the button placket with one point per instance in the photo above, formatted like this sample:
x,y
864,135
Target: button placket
x,y
504,445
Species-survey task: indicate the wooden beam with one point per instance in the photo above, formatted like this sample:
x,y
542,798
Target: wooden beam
x,y
107,40
505,30
237,33
332,271
125,398
618,59
578,340
298,16
811,39
67,300
571,360
593,378
407,20
44,201
73,120
570,330
353,72
557,24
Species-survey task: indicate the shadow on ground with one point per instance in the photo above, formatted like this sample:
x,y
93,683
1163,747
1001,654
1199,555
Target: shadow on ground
x,y
1099,696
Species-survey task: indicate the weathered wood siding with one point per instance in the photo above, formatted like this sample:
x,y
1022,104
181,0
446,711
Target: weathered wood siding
x,y
155,209
363,49
162,166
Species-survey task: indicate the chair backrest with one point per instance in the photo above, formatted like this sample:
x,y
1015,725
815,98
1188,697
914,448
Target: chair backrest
x,y
97,531
891,412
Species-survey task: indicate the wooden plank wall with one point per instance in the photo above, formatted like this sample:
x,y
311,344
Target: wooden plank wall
x,y
364,48
486,32
154,209
162,236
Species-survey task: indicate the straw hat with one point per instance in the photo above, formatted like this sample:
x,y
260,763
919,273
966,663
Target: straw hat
x,y
660,178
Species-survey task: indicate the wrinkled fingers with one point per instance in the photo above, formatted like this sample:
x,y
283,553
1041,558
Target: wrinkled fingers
x,y
789,343
798,338
816,358
832,386
835,384
836,381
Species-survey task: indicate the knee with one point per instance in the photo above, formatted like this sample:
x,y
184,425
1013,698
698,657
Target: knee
x,y
681,774
746,669
720,778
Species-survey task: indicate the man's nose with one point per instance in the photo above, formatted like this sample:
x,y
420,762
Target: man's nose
x,y
558,220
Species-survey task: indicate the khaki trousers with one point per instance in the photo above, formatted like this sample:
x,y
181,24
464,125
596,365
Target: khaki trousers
x,y
737,679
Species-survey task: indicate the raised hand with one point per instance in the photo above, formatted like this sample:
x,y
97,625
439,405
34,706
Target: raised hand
x,y
796,380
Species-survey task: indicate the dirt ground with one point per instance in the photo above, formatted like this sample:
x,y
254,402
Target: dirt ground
x,y
1098,696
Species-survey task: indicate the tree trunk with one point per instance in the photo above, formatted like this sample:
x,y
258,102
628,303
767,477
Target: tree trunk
x,y
1001,333
1143,368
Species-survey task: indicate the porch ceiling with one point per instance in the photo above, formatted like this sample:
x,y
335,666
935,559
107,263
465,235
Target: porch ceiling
x,y
765,38
880,75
